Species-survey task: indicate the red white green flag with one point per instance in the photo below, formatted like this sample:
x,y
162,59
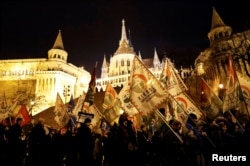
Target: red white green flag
x,y
210,102
233,93
245,89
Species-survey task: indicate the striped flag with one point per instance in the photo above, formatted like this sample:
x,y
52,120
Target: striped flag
x,y
233,95
245,89
210,102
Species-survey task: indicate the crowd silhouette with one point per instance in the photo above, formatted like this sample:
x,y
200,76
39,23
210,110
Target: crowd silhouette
x,y
124,145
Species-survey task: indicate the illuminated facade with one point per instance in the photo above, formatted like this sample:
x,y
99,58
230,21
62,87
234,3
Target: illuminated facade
x,y
212,63
117,70
39,80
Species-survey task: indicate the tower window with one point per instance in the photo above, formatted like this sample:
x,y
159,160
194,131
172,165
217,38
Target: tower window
x,y
122,62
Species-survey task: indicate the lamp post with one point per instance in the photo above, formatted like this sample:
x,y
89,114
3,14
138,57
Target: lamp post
x,y
66,92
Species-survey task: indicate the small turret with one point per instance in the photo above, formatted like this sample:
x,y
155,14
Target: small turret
x,y
57,52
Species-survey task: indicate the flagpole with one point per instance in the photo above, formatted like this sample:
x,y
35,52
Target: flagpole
x,y
164,120
209,140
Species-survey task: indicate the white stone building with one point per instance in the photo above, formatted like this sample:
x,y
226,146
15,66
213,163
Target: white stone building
x,y
40,79
117,70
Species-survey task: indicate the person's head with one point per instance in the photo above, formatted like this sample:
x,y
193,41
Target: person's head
x,y
19,121
143,128
176,125
87,122
123,120
192,119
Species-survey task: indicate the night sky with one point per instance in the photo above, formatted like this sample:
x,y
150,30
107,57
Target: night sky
x,y
92,28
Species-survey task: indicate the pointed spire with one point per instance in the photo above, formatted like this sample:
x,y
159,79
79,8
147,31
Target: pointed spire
x,y
218,29
124,45
58,42
156,58
124,34
216,20
104,63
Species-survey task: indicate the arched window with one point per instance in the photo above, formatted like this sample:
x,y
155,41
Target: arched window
x,y
128,62
122,62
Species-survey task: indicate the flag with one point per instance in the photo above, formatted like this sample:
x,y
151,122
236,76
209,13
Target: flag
x,y
24,114
245,90
146,92
97,115
4,113
124,96
92,87
210,102
79,104
233,95
61,114
111,104
13,106
171,80
183,106
71,106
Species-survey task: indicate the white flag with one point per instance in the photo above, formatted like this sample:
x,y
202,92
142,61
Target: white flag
x,y
97,115
124,96
111,105
171,80
79,105
146,92
184,106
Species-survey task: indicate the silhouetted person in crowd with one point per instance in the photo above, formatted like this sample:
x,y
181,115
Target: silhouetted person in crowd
x,y
36,142
16,144
85,143
50,147
195,141
173,142
121,142
144,145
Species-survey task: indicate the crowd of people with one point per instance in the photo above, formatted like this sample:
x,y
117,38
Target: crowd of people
x,y
123,145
